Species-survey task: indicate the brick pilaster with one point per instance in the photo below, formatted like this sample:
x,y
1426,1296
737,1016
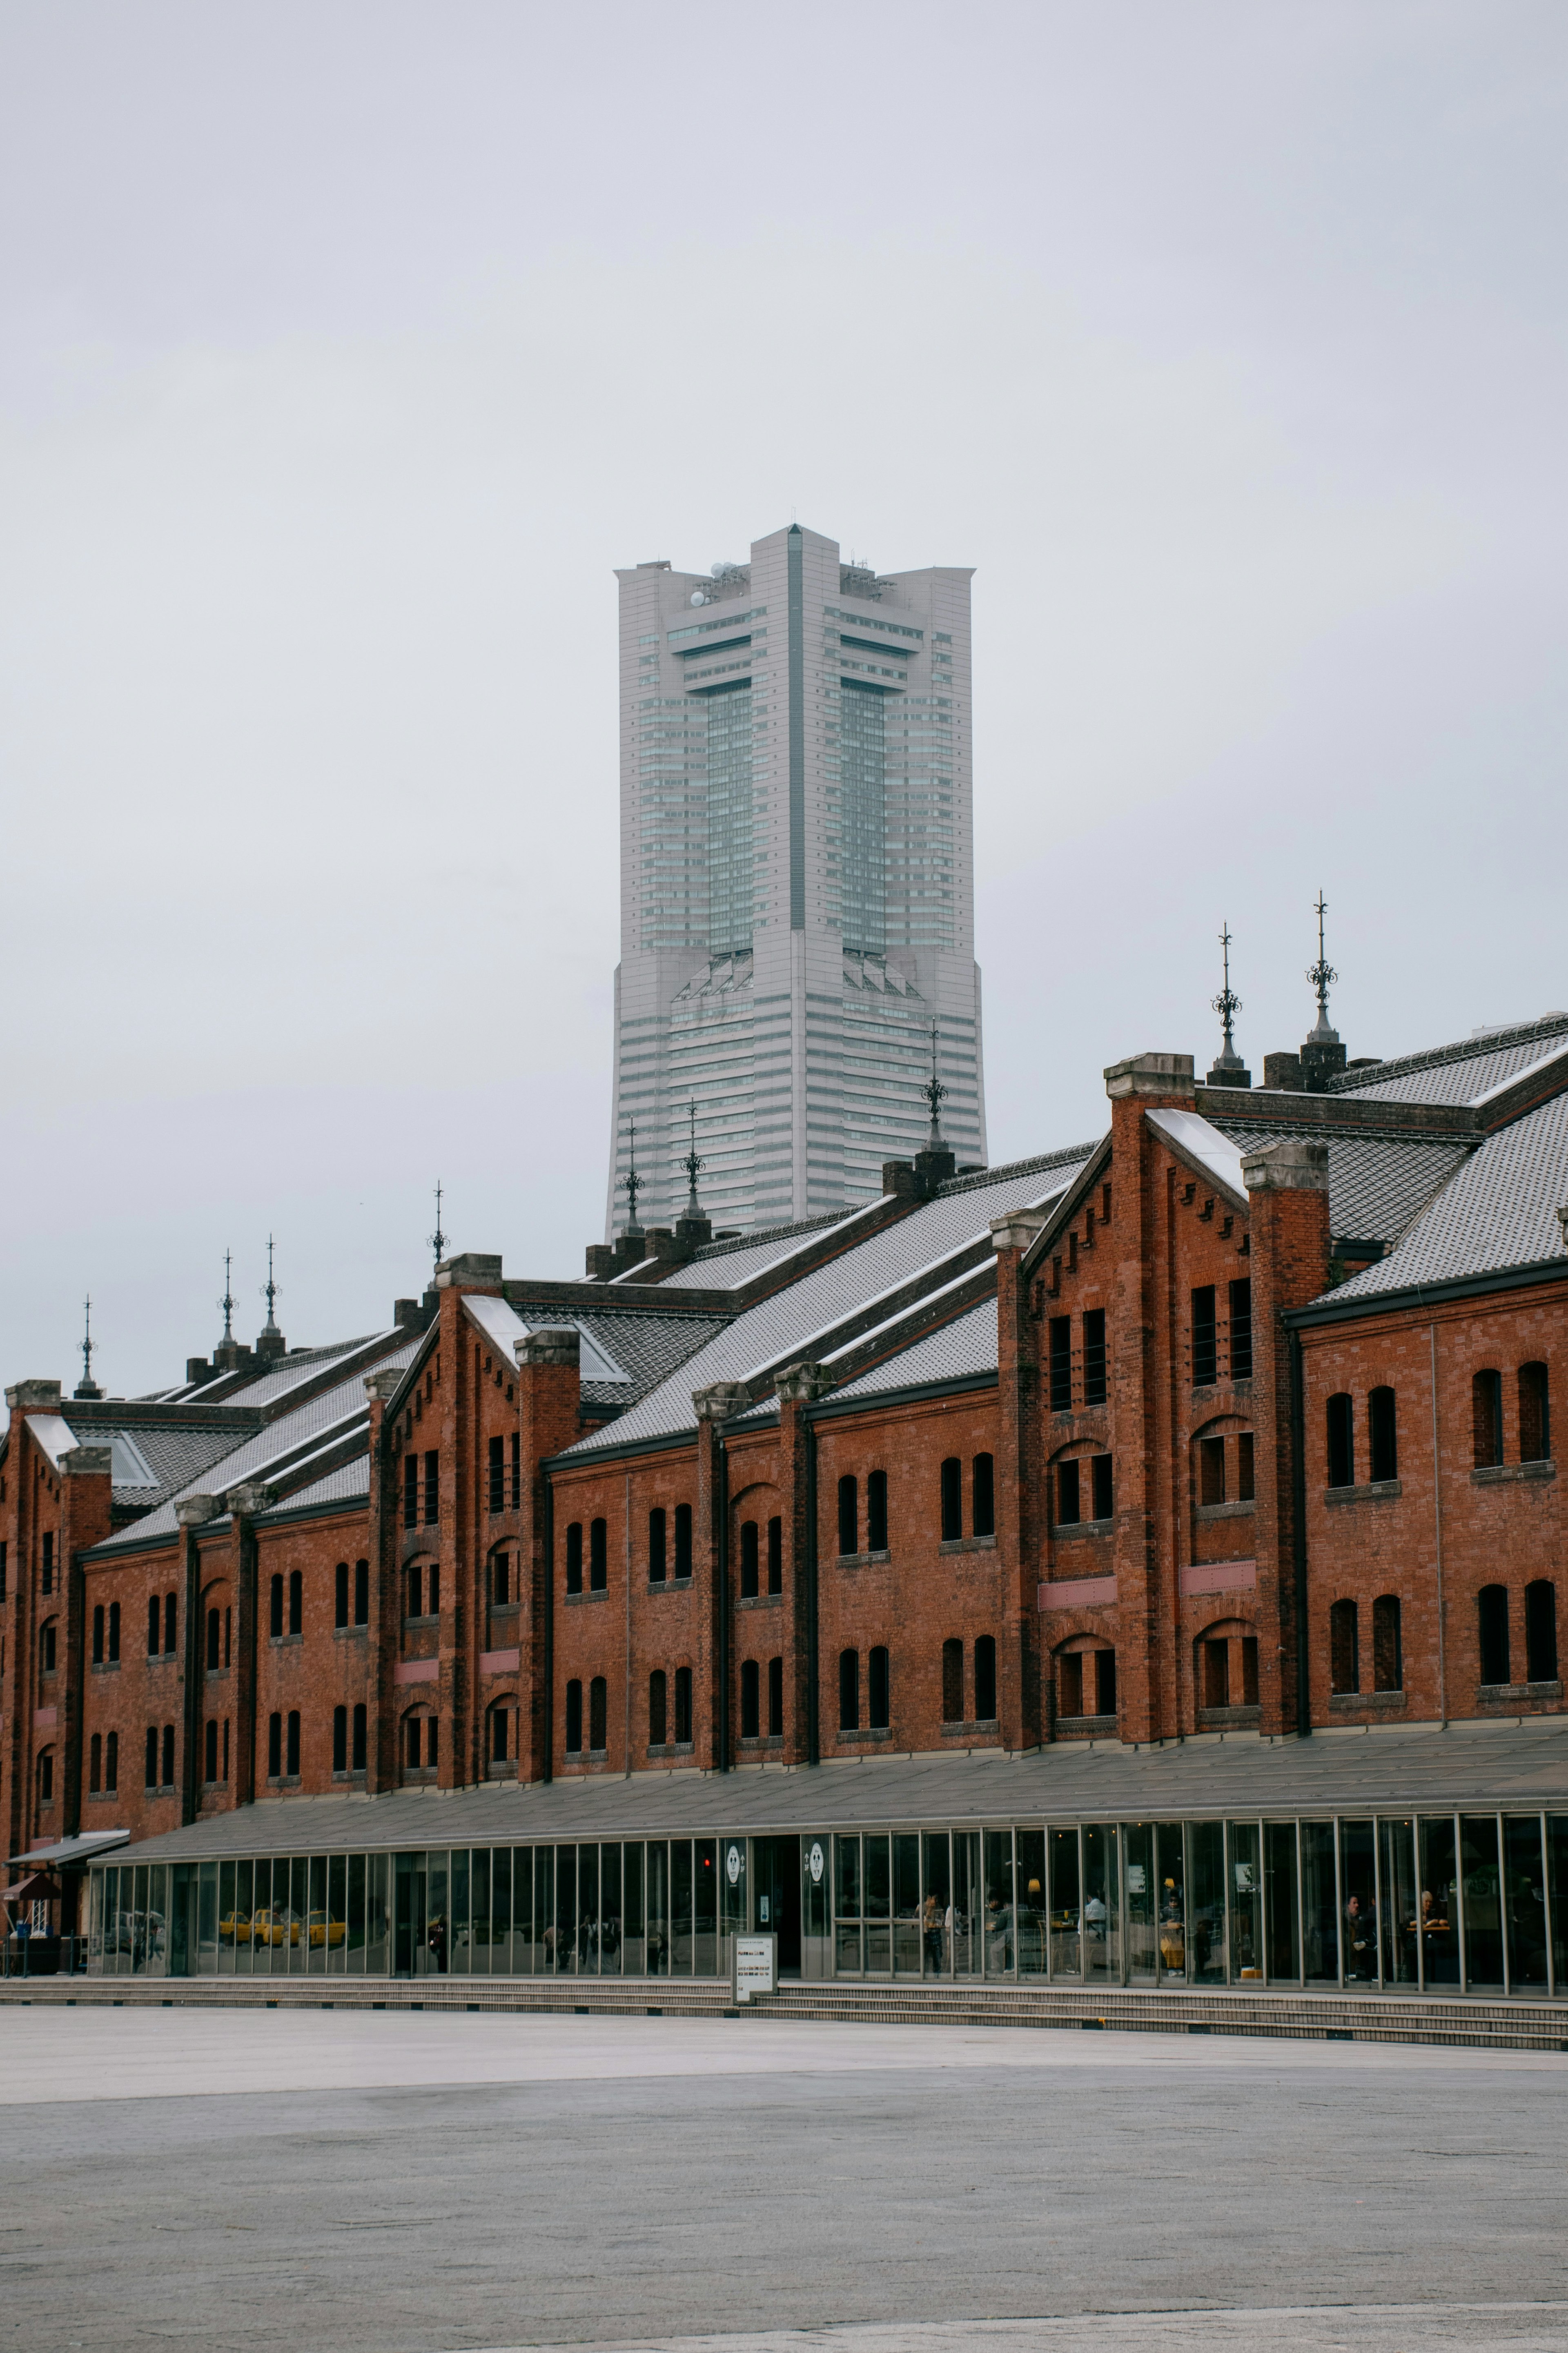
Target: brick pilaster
x,y
549,1397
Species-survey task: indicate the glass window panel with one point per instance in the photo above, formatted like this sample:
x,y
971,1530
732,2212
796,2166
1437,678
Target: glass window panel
x,y
968,1904
96,1882
437,1911
1282,1903
846,1876
877,1897
541,1947
1102,1904
377,1916
1440,1901
158,1921
732,1892
297,1947
610,1911
207,1922
1170,1893
1143,1911
816,1906
354,1916
935,1936
460,1952
998,1853
1206,1902
243,1913
337,1924
1396,1863
1481,1888
634,1947
705,1908
408,1916
480,1912
1032,1915
588,1911
1067,1953
680,1907
1524,1902
907,1903
657,1893
1245,1903
501,1963
314,1935
565,1953
1557,1887
1358,1903
1319,1903
227,1923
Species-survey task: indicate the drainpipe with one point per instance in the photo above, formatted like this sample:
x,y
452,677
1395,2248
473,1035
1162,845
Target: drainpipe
x,y
1437,1531
1298,1533
549,1643
813,1676
722,1506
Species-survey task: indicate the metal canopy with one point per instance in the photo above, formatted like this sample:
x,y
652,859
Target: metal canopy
x,y
68,1851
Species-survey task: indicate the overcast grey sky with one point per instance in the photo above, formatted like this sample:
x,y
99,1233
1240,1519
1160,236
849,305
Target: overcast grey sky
x,y
348,346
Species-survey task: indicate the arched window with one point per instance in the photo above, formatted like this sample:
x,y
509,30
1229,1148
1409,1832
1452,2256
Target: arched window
x,y
1534,1415
1070,1684
880,1692
500,1745
574,1558
775,1555
1387,1644
1211,1471
95,1765
1345,1647
1086,1680
748,1560
111,1765
983,1496
598,1557
296,1602
986,1678
154,1615
850,1691
952,1499
776,1699
361,1727
751,1700
953,1680
573,1718
171,1623
420,1742
292,1761
683,1733
1540,1631
657,1720
1491,1613
215,1644
656,1528
340,1740
1069,1491
275,1747
598,1714
1485,1414
340,1594
209,1757
848,1515
168,1757
114,1633
48,1639
1382,1436
682,1540
275,1617
152,1755
499,1580
877,1511
362,1593
1341,1441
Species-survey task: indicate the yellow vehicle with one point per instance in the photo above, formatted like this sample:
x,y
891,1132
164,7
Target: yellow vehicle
x,y
324,1929
275,1926
235,1929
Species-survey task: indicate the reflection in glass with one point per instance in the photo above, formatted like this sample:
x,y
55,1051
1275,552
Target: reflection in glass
x,y
610,1911
1170,1864
657,1908
634,1948
502,1961
907,1903
1480,1884
1557,1885
563,1934
998,1851
705,1908
1033,1917
1206,1902
878,1903
966,1904
1440,1914
1065,1951
847,1950
680,1908
1319,1903
1142,1938
1524,1907
1245,1903
1279,1903
936,1936
1101,1902
1397,1859
1358,1903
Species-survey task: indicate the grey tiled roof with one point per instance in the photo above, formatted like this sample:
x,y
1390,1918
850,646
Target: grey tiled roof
x,y
348,1484
1459,1073
722,1266
1499,1210
176,1457
647,1344
1376,1183
967,1345
765,1335
301,1365
251,1456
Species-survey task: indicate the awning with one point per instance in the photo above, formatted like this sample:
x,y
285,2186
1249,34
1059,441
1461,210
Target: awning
x,y
66,1851
37,1888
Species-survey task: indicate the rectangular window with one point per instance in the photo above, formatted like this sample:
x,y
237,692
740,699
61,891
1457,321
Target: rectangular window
x,y
1099,1472
340,1740
877,1512
776,1699
682,1540
1211,1471
1241,1330
1341,1441
952,1499
1069,1507
411,1491
362,1593
168,1757
516,1472
48,1561
340,1594
432,1486
1061,1364
598,1557
983,1496
1245,1488
1382,1434
683,1707
1094,1356
749,1562
360,1731
171,1622
293,1761
497,1474
574,1558
656,1547
985,1679
1205,1347
848,1515
775,1556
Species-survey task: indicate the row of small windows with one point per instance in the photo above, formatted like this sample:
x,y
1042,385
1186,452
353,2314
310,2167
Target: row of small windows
x,y
106,1635
1091,1361
416,1488
162,1624
1209,1345
505,1478
351,1729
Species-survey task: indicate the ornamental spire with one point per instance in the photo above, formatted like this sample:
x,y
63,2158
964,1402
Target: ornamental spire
x,y
1322,976
87,1386
438,1240
1229,1069
934,1092
693,1163
631,1183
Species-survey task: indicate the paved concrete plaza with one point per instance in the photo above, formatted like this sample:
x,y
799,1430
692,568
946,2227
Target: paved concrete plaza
x,y
746,2186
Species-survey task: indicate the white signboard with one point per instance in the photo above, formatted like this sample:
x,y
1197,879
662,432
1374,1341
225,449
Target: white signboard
x,y
756,1966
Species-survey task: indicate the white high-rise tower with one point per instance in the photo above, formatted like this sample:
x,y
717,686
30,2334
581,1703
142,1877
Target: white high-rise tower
x,y
797,904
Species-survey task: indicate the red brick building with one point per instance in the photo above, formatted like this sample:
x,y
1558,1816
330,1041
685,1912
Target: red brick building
x,y
1107,1484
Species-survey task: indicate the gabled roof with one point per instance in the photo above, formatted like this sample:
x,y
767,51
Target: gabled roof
x,y
962,1349
1499,1211
1376,1183
1461,1072
1203,1148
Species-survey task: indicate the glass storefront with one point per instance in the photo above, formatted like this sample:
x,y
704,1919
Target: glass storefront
x,y
1469,1903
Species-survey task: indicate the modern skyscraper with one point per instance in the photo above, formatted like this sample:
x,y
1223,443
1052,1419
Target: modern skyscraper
x,y
798,906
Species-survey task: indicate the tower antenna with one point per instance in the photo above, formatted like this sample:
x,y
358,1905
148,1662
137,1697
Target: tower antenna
x,y
438,1240
934,1093
631,1183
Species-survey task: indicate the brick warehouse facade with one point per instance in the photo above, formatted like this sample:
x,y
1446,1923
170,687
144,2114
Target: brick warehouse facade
x,y
1231,1428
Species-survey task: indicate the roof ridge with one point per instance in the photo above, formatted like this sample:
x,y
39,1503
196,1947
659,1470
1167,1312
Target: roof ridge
x,y
1067,1157
1463,1049
1447,1138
